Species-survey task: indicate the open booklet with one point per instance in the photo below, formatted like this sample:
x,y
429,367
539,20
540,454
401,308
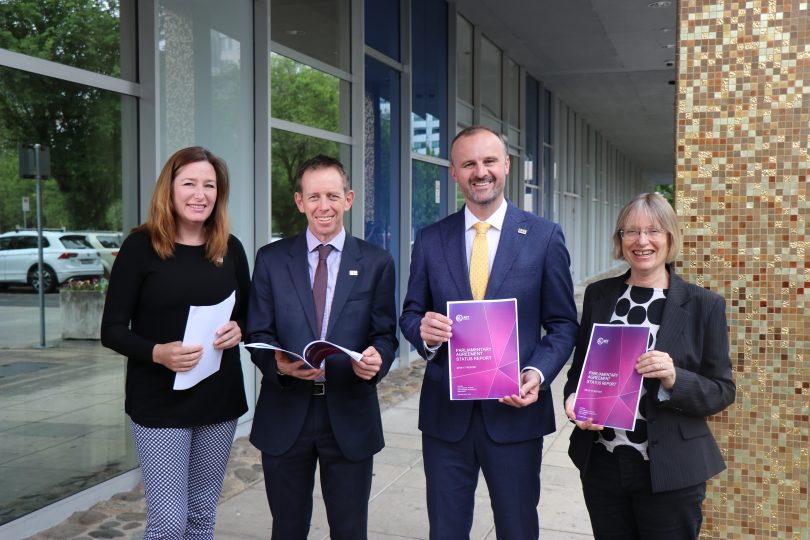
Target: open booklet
x,y
314,354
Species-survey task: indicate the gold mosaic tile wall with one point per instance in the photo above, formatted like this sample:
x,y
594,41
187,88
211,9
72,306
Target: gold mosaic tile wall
x,y
743,132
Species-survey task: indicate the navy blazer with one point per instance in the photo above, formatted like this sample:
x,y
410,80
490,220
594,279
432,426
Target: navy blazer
x,y
532,265
281,312
694,332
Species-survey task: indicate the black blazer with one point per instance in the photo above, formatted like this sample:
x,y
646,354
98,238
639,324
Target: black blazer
x,y
281,311
694,332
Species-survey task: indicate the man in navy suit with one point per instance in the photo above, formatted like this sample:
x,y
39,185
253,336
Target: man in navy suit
x,y
328,416
527,260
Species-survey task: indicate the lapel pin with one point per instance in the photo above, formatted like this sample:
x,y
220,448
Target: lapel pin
x,y
352,272
521,230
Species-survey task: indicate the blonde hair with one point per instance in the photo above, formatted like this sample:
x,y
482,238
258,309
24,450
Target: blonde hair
x,y
161,223
658,209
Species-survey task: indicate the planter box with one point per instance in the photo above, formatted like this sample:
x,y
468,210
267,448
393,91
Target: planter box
x,y
81,314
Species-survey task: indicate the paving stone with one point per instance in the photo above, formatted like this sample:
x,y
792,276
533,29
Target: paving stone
x,y
132,516
106,533
90,517
248,476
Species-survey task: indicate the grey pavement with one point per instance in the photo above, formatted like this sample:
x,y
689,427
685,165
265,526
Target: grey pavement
x,y
397,509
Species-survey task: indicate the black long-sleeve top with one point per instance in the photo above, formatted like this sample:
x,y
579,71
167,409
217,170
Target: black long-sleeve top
x,y
147,303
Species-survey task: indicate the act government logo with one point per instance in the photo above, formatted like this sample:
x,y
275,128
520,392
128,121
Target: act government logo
x,y
461,317
602,341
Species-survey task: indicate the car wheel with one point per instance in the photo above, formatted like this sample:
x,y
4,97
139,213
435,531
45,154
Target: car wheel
x,y
49,280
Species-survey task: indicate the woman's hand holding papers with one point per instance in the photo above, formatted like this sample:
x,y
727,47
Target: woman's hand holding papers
x,y
229,335
569,412
176,356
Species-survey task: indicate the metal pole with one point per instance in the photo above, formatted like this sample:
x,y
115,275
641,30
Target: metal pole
x,y
39,248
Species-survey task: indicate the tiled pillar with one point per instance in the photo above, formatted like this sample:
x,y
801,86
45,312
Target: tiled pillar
x,y
743,131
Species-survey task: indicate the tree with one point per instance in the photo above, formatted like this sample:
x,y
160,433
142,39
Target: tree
x,y
306,96
668,192
80,124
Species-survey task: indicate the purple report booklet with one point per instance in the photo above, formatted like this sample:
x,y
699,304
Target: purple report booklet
x,y
483,352
609,386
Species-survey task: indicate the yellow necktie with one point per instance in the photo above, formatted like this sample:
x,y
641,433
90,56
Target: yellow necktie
x,y
479,261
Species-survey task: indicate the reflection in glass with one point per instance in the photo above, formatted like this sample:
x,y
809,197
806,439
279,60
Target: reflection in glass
x,y
464,60
491,78
289,151
429,120
382,128
514,94
428,206
206,79
382,26
304,95
92,35
63,428
318,28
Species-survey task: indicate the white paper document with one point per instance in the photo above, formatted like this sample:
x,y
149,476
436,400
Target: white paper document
x,y
201,329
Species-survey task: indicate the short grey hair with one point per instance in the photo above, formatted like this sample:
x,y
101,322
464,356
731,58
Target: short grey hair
x,y
660,211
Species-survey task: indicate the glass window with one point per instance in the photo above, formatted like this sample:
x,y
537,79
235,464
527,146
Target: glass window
x,y
304,95
382,129
464,60
429,204
75,242
318,28
289,151
532,127
64,425
429,101
491,78
514,95
382,26
205,89
205,77
96,36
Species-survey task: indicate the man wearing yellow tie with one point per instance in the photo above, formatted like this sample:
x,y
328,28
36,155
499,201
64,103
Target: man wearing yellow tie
x,y
488,250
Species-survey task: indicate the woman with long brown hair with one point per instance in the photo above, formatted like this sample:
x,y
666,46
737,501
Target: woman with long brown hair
x,y
182,256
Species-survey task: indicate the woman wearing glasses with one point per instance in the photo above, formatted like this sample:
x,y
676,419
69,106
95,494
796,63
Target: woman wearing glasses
x,y
649,483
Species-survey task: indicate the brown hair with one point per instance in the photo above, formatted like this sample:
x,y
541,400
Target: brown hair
x,y
321,161
161,223
660,211
472,130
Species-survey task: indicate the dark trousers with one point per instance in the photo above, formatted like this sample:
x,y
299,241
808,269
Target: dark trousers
x,y
512,473
290,479
621,504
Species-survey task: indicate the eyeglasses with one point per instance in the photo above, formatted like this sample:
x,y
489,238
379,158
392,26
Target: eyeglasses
x,y
635,234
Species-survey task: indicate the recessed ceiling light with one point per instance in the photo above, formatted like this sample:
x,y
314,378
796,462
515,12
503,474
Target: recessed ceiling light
x,y
660,4
670,63
668,46
665,29
296,33
671,82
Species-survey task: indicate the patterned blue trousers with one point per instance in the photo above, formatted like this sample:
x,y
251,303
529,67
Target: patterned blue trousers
x,y
182,470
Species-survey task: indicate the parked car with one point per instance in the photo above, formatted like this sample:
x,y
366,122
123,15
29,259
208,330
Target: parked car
x,y
107,243
66,257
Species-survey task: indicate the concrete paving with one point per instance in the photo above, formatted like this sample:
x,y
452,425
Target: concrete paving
x,y
397,508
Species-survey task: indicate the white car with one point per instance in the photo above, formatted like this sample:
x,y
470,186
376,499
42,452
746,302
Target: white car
x,y
66,257
107,243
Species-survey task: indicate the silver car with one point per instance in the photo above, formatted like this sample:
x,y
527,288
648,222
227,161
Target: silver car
x,y
106,243
66,257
